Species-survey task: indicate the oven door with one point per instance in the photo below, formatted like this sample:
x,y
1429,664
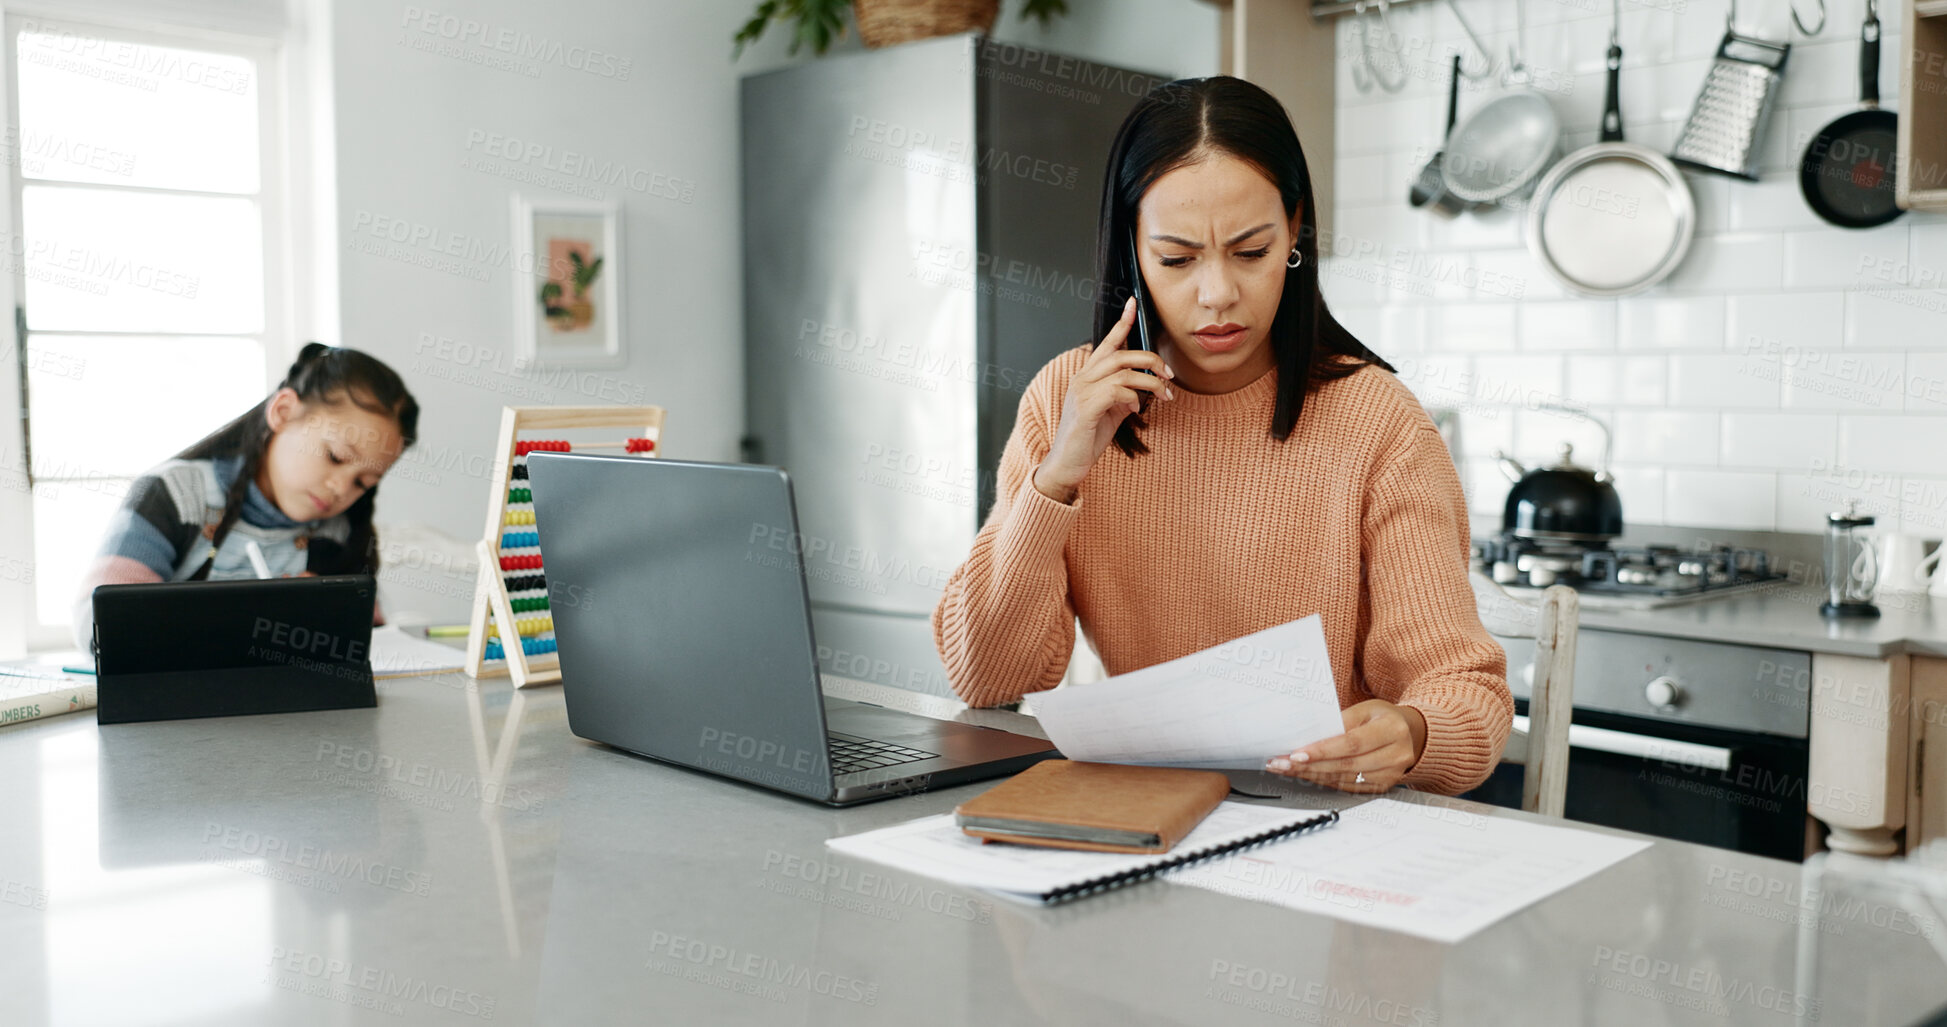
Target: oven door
x,y
1723,764
1734,790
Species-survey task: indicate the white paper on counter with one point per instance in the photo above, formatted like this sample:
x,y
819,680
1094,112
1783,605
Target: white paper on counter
x,y
396,654
1231,706
936,847
1426,870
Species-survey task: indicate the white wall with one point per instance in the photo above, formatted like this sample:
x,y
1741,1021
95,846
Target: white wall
x,y
1785,366
417,116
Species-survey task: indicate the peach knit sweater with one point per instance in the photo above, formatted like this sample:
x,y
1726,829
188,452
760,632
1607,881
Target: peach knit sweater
x,y
1220,531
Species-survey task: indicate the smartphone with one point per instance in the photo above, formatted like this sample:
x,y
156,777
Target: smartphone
x,y
1142,340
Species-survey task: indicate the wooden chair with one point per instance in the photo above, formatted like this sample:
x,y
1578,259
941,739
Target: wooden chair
x,y
1540,740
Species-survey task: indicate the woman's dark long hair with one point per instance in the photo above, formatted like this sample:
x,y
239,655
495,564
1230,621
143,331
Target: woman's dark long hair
x,y
321,374
1180,123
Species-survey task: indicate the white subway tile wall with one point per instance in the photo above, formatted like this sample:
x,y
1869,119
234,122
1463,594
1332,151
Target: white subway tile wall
x,y
1786,442
1719,380
1787,367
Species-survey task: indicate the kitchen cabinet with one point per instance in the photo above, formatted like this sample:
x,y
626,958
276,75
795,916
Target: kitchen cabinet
x,y
1859,740
1926,796
1921,182
1879,751
1278,45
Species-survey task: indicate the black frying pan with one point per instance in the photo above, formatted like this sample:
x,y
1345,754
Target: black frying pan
x,y
1847,173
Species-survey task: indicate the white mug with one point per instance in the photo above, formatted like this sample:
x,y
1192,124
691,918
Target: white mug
x,y
1938,586
1904,565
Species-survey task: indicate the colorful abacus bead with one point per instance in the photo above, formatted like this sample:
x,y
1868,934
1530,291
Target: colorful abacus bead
x,y
530,646
543,446
520,563
525,626
518,518
530,605
520,539
641,445
520,495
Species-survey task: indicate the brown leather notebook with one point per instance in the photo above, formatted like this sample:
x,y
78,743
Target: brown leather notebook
x,y
1101,807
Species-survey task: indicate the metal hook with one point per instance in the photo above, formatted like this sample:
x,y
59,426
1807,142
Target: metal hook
x,y
1361,79
1801,24
1730,18
1517,50
1365,49
1472,37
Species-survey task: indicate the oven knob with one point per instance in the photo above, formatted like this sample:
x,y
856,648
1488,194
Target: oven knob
x,y
1664,693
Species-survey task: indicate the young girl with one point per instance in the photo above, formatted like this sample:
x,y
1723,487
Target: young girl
x,y
297,476
1281,470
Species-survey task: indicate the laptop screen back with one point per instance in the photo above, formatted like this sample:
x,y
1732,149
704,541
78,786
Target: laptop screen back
x,y
680,613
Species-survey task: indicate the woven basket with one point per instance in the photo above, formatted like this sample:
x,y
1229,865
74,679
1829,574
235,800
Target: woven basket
x,y
889,22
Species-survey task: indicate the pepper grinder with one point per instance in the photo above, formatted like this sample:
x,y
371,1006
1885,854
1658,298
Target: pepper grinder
x,y
1851,567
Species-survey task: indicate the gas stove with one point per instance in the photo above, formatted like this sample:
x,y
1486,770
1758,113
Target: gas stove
x,y
1631,577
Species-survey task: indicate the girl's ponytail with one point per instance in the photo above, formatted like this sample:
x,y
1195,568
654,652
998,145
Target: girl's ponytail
x,y
311,352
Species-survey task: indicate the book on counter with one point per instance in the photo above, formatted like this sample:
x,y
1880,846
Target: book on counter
x,y
45,687
1100,807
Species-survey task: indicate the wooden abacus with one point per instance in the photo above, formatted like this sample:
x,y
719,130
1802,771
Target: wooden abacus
x,y
512,590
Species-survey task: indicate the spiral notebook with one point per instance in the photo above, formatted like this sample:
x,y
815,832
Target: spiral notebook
x,y
936,847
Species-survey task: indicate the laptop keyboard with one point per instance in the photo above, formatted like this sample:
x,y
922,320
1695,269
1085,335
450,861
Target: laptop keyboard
x,y
850,754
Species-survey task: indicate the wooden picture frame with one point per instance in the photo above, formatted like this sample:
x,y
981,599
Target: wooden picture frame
x,y
568,267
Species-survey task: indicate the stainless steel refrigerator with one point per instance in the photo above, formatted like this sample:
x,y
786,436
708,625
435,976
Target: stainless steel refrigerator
x,y
919,231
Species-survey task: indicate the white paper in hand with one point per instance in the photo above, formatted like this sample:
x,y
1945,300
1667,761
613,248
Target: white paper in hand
x,y
1231,706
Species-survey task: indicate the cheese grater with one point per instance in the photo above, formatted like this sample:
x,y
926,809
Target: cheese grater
x,y
1727,124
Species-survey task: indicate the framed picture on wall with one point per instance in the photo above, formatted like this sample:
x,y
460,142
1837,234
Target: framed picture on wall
x,y
567,266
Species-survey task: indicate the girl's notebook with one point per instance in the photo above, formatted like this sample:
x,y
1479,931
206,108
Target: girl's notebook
x,y
936,847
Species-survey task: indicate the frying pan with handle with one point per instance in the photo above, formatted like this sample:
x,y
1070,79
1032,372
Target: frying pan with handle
x,y
1495,155
1612,218
1847,173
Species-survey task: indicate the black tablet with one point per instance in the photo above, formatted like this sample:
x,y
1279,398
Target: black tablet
x,y
178,649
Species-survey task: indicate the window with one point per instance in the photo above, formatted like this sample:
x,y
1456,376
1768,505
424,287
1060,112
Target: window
x,y
145,216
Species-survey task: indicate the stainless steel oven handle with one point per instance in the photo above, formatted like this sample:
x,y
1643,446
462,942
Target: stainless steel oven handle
x,y
1648,747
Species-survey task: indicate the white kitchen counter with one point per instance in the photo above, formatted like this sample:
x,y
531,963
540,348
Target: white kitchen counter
x,y
1788,618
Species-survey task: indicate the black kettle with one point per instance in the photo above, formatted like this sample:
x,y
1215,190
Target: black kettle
x,y
1566,502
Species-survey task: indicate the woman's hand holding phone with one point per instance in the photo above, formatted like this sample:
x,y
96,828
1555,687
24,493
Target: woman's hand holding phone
x,y
1106,390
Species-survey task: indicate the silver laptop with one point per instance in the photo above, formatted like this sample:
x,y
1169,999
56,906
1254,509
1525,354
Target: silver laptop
x,y
684,631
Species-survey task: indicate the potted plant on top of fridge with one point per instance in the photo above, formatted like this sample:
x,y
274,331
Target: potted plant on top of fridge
x,y
820,23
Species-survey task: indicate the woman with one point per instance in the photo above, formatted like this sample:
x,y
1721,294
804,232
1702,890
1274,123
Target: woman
x,y
1266,466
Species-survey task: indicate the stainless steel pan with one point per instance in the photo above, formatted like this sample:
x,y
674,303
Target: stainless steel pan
x,y
1613,218
1498,152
